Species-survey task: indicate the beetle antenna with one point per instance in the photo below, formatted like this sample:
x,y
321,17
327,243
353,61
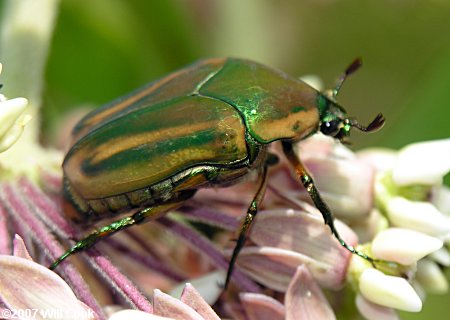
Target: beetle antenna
x,y
350,69
376,124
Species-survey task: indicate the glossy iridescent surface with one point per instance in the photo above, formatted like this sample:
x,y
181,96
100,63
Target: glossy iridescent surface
x,y
213,116
274,105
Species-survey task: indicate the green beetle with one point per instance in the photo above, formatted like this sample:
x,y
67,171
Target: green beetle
x,y
208,125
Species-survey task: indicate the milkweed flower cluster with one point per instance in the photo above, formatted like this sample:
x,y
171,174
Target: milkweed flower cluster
x,y
391,205
411,195
403,220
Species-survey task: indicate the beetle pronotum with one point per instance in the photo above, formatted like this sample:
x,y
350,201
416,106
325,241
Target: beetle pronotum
x,y
209,124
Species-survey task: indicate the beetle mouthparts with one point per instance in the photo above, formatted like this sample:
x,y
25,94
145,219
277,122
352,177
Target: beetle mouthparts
x,y
376,124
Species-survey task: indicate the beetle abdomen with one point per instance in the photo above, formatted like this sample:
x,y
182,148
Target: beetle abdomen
x,y
176,189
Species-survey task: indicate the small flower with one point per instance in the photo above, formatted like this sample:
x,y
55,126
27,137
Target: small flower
x,y
423,163
403,245
430,277
13,120
389,291
27,157
417,215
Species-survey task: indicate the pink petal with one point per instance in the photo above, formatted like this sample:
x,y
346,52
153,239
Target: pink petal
x,y
25,284
19,248
305,300
206,285
167,306
192,298
344,181
275,267
308,240
346,185
135,315
301,232
318,145
235,310
5,239
261,307
372,311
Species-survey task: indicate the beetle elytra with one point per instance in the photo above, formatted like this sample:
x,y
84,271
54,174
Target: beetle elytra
x,y
207,125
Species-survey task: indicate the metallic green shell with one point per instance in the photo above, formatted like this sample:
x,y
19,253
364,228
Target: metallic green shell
x,y
195,117
274,105
152,144
177,84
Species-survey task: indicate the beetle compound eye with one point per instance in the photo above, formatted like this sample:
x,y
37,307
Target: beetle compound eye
x,y
330,128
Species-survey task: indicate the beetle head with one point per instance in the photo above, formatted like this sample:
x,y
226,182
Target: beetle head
x,y
333,118
335,123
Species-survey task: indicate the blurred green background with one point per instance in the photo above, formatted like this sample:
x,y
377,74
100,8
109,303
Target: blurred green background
x,y
104,48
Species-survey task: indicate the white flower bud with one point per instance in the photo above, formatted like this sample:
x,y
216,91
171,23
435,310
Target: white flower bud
x,y
389,291
431,278
403,245
12,121
417,215
422,163
441,256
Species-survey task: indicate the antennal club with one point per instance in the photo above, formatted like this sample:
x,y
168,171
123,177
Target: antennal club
x,y
376,124
355,65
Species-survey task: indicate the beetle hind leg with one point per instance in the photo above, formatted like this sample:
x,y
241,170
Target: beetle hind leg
x,y
141,216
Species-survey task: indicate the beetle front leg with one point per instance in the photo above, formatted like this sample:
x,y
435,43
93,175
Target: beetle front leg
x,y
137,218
308,183
246,225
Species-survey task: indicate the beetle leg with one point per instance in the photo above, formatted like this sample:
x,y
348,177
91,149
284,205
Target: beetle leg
x,y
308,183
137,218
245,229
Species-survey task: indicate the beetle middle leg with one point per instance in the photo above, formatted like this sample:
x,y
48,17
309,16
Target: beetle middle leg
x,y
308,183
141,216
249,218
